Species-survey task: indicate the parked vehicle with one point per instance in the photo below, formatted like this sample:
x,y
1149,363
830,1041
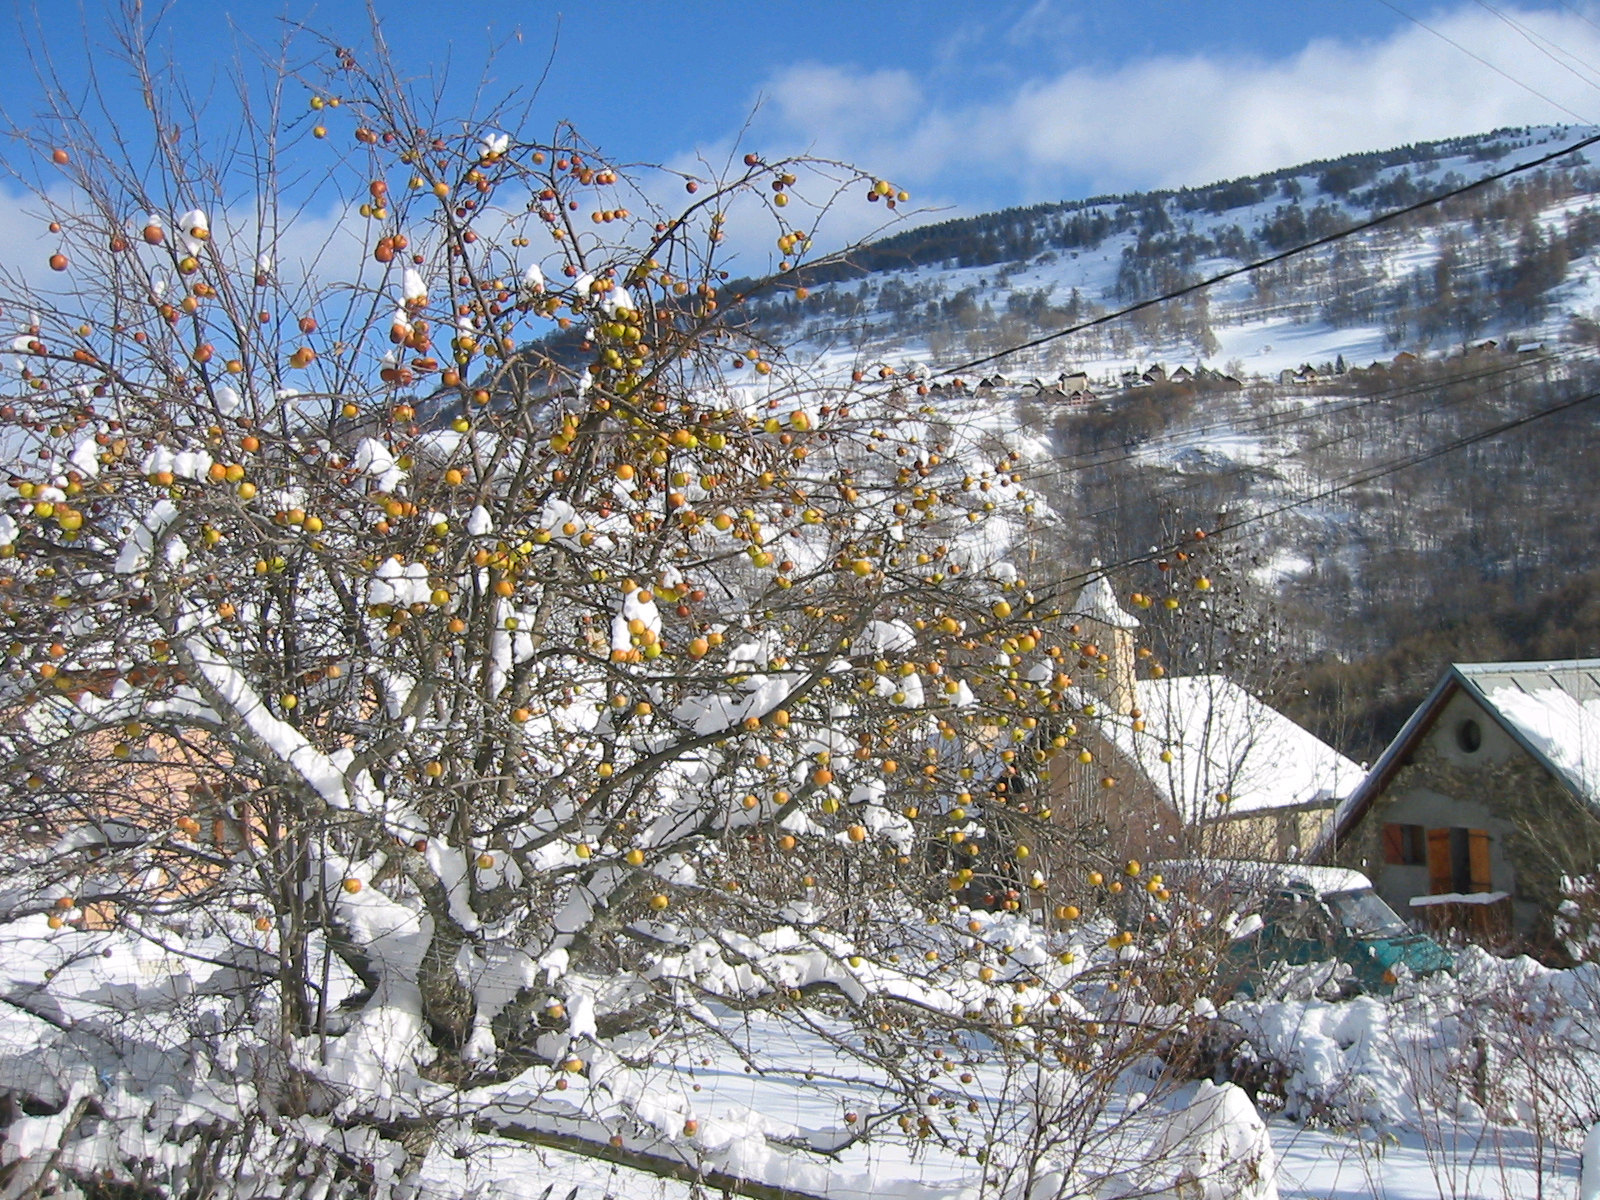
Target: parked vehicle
x,y
1285,913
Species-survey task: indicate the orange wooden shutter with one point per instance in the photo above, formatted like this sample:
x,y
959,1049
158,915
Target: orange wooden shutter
x,y
1394,849
1478,857
1441,874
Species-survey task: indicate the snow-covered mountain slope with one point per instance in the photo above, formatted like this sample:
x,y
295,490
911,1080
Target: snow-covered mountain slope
x,y
1279,388
1513,259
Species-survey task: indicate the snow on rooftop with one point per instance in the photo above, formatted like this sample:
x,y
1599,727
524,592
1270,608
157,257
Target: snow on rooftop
x,y
1555,707
1321,880
1099,603
1225,742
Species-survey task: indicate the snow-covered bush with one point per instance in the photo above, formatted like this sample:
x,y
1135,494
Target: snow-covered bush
x,y
1217,1148
1504,1042
1577,921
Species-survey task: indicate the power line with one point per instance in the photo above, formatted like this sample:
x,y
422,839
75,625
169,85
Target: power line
x,y
1271,259
1358,480
1529,88
1577,13
1544,46
1365,402
1450,447
1053,466
1282,460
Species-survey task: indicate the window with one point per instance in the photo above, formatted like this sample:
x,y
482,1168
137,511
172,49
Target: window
x,y
1469,736
1458,860
1405,845
1364,914
1300,918
1288,836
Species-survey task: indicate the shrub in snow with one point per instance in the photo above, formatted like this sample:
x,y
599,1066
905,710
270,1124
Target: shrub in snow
x,y
1577,920
1506,1042
1216,1147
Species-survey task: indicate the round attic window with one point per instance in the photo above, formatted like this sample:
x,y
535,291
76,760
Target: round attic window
x,y
1469,736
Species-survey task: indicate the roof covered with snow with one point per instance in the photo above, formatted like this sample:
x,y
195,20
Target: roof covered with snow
x,y
1098,602
1553,708
1321,880
1230,752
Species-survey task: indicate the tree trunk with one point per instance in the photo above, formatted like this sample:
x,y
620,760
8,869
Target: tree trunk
x,y
447,1003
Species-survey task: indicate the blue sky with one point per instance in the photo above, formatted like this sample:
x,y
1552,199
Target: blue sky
x,y
695,68
971,106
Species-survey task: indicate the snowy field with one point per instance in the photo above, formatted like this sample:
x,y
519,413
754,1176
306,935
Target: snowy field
x,y
1372,1105
1312,1165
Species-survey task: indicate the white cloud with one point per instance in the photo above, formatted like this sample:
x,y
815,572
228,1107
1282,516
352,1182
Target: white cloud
x,y
1189,119
846,104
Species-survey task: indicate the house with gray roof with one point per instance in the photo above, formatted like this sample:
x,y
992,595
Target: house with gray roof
x,y
1487,800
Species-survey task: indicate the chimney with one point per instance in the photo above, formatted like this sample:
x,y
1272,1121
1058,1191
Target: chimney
x,y
1110,629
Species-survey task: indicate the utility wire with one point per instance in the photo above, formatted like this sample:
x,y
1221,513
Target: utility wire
x,y
1053,467
1246,469
1393,467
1320,415
1577,12
1544,46
1529,88
1272,422
1363,478
1360,479
1258,264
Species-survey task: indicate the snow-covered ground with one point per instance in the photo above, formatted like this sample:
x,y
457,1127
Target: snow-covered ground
x,y
1374,1100
1313,1164
1468,1162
